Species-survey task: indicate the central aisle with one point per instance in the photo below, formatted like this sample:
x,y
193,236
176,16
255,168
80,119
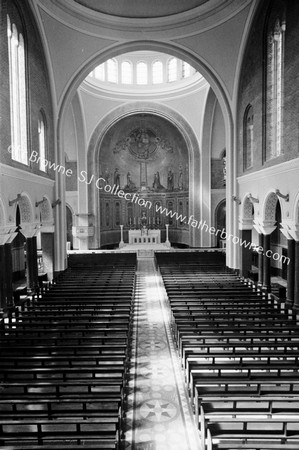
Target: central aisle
x,y
159,415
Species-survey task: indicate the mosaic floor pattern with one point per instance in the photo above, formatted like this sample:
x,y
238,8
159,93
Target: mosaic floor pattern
x,y
159,415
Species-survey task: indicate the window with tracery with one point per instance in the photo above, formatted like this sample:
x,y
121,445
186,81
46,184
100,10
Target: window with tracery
x,y
248,137
42,141
17,86
274,93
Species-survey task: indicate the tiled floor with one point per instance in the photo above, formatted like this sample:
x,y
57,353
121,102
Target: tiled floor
x,y
159,415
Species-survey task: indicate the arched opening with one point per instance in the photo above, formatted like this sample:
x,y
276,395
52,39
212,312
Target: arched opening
x,y
220,221
278,247
149,167
248,238
18,251
69,228
18,217
194,237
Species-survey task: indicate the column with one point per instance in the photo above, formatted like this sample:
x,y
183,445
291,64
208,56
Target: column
x,y
267,264
291,272
246,256
296,280
260,260
34,261
32,269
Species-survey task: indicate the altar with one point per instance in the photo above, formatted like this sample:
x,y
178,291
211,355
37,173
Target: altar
x,y
144,236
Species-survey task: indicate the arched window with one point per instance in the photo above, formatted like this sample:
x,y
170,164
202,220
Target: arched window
x,y
126,72
157,72
112,70
274,93
17,85
186,70
248,137
172,69
42,141
99,72
141,73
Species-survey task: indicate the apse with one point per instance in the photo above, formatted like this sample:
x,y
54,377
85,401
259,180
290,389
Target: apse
x,y
146,157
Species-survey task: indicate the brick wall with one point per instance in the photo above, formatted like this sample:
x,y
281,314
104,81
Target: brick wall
x,y
38,87
252,85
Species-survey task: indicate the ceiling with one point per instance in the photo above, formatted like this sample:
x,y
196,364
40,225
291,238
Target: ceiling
x,y
141,8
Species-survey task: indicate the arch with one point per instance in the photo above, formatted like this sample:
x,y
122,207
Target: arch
x,y
269,207
247,211
46,210
171,49
69,224
26,209
220,219
159,110
200,65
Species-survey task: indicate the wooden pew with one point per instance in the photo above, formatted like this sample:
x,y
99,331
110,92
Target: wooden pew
x,y
101,430
252,430
64,359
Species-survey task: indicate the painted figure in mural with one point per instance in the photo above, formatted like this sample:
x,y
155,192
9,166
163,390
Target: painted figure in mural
x,y
180,180
170,181
116,177
130,186
157,186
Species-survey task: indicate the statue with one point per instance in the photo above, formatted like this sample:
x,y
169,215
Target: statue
x,y
157,186
143,220
116,177
170,184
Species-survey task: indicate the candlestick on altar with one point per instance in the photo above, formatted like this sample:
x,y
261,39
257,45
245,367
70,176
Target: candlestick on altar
x,y
121,244
167,242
